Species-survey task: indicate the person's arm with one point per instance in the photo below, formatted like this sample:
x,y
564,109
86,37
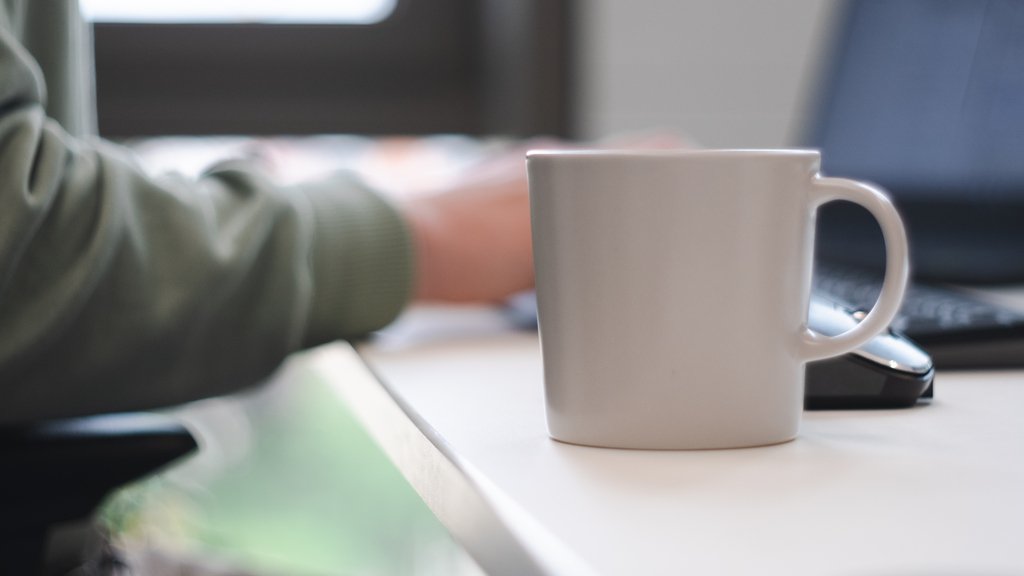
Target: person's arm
x,y
118,292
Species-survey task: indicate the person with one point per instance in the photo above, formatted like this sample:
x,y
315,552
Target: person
x,y
120,292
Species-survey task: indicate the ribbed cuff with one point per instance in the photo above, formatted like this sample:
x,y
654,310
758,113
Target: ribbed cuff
x,y
362,261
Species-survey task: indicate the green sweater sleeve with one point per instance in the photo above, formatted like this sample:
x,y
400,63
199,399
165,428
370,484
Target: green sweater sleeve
x,y
119,292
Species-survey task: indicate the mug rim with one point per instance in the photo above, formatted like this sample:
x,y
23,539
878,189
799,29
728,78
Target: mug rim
x,y
727,152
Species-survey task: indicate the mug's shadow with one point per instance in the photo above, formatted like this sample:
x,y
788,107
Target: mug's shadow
x,y
653,472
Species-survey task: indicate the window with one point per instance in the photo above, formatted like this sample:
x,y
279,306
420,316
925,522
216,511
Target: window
x,y
429,66
238,11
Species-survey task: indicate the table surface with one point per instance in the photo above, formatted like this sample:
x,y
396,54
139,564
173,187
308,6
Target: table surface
x,y
459,407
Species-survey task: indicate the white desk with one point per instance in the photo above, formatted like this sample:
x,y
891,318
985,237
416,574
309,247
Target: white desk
x,y
935,489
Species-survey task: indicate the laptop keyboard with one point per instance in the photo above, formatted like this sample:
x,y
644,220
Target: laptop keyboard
x,y
929,315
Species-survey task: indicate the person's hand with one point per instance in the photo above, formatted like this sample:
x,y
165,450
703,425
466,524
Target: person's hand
x,y
473,241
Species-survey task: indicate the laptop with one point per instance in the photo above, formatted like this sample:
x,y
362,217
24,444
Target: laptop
x,y
926,99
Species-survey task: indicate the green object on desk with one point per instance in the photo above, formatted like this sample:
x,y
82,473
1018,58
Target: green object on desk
x,y
314,495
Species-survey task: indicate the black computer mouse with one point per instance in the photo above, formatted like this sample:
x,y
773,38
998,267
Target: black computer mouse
x,y
889,371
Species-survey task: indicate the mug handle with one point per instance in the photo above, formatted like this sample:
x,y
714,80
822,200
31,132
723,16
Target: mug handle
x,y
816,346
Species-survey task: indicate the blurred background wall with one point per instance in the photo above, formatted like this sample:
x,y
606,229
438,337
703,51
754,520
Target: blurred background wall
x,y
730,73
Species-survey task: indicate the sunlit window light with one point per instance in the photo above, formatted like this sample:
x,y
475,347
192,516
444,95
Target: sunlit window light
x,y
238,11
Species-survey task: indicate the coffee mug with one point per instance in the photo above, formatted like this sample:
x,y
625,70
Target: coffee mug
x,y
673,290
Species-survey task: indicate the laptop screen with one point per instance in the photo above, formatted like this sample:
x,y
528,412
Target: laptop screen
x,y
927,99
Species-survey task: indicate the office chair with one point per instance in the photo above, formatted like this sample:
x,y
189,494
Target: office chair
x,y
57,471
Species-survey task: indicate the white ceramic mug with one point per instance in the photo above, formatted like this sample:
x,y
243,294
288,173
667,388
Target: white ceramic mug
x,y
673,289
